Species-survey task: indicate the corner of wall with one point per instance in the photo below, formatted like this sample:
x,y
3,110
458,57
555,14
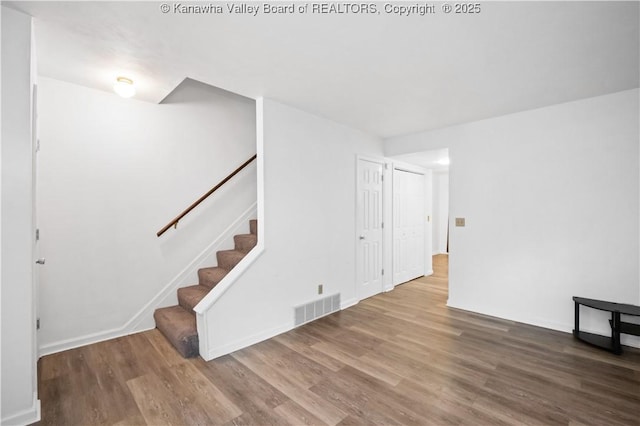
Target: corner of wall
x,y
352,302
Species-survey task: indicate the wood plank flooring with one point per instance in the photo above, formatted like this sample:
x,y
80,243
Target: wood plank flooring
x,y
397,358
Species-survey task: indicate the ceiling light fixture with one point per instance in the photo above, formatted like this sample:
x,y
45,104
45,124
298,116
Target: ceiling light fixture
x,y
443,161
124,87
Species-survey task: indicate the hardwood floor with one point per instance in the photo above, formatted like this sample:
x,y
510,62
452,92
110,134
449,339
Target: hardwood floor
x,y
397,358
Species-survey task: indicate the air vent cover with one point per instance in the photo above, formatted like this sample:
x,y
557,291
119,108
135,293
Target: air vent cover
x,y
316,309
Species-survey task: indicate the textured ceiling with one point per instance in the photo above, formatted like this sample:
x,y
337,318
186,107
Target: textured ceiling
x,y
382,73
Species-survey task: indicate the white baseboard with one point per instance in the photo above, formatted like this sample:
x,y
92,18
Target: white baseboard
x,y
349,303
429,272
501,315
551,325
25,417
228,348
76,342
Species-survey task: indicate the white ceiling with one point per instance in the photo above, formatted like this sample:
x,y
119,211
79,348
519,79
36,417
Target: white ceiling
x,y
387,75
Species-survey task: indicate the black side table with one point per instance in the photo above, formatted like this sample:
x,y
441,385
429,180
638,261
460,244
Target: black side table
x,y
612,343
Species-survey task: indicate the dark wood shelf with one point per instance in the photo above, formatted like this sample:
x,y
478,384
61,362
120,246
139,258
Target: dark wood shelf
x,y
623,308
618,327
630,328
603,342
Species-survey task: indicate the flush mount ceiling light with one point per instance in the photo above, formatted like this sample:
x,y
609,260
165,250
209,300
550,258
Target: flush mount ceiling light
x,y
124,87
443,161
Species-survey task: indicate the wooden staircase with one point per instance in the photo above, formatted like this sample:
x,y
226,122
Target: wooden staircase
x,y
178,323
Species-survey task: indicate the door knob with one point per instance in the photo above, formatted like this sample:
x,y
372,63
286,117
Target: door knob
x,y
361,237
40,261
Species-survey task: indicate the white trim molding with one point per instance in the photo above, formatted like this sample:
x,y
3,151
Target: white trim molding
x,y
627,340
25,417
346,304
215,352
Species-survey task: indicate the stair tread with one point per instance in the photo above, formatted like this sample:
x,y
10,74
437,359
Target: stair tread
x,y
252,236
210,277
189,297
232,252
179,327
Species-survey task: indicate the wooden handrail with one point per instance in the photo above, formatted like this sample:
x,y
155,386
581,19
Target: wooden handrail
x,y
175,221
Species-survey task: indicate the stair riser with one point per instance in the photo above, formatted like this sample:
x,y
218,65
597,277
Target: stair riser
x,y
211,278
184,304
228,260
253,226
245,243
186,343
189,297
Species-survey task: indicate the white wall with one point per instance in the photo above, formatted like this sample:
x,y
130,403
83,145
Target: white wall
x,y
440,210
309,225
550,198
19,388
112,173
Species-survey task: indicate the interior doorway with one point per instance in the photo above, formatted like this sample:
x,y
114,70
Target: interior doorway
x,y
441,211
436,162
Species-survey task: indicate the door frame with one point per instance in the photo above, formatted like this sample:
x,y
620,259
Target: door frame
x,y
386,231
35,246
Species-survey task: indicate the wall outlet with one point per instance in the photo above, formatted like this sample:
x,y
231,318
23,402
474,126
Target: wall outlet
x,y
459,221
320,288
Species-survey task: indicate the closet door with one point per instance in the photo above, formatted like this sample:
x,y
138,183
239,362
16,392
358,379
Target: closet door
x,y
408,225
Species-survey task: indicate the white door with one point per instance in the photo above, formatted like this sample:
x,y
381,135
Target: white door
x,y
369,228
408,225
